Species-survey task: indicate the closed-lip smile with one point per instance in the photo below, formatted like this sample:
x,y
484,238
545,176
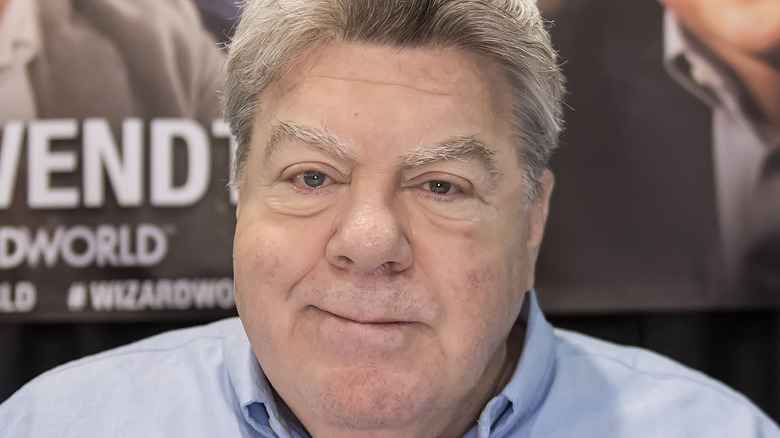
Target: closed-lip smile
x,y
367,321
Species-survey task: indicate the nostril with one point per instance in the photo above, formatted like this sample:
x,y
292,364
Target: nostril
x,y
384,268
346,260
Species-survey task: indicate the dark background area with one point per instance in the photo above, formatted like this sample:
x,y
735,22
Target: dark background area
x,y
739,348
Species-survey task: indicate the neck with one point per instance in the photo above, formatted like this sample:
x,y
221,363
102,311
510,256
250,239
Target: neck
x,y
3,7
467,418
760,77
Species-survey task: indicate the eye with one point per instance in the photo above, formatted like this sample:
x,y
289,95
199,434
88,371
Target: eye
x,y
439,187
444,190
313,179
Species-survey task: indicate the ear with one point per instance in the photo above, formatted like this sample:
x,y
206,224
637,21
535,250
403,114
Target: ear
x,y
238,202
537,216
238,185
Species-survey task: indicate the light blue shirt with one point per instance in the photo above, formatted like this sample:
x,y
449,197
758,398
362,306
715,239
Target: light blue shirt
x,y
206,382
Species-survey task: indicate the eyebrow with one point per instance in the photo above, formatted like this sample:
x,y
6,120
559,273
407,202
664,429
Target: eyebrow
x,y
463,148
317,136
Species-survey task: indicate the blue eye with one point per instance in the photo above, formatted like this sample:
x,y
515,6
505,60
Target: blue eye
x,y
439,187
314,179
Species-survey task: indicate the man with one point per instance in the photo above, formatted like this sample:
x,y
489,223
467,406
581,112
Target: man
x,y
673,133
393,195
727,53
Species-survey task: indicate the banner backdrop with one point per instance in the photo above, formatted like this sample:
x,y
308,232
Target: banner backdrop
x,y
668,174
97,223
114,163
114,167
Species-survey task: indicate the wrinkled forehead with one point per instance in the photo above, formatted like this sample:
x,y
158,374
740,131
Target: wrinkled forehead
x,y
444,71
421,68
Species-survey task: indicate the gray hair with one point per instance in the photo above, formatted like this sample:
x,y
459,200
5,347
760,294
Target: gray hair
x,y
274,35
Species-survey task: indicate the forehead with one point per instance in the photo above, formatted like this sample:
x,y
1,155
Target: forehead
x,y
444,71
377,94
462,79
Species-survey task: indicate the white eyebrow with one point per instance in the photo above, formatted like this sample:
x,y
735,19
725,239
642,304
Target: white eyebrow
x,y
318,136
464,147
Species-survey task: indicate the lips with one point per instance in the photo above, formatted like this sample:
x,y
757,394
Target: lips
x,y
367,320
364,338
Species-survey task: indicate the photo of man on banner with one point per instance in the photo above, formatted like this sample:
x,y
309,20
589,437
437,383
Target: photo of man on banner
x,y
676,110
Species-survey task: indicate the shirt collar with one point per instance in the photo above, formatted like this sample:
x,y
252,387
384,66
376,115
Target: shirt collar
x,y
252,389
685,63
519,399
532,378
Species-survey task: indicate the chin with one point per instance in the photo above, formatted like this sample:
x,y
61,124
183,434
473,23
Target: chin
x,y
368,398
763,41
771,52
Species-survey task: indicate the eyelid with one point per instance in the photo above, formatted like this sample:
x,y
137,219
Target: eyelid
x,y
299,168
300,183
292,176
462,185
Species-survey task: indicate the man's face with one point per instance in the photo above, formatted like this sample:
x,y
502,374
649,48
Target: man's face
x,y
751,26
383,245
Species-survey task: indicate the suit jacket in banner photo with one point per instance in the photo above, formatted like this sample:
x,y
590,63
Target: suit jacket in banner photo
x,y
113,199
634,219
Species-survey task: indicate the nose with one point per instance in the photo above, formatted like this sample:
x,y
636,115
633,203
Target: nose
x,y
369,236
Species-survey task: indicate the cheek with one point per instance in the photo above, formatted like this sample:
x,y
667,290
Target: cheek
x,y
269,259
478,289
477,318
494,271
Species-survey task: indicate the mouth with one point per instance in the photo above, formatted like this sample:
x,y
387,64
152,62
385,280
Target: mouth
x,y
367,320
364,337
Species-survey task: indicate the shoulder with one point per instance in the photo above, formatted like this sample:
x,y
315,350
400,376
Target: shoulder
x,y
178,347
573,347
182,369
204,339
143,20
628,391
156,58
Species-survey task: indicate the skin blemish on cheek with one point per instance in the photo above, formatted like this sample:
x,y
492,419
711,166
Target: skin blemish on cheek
x,y
473,281
276,265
